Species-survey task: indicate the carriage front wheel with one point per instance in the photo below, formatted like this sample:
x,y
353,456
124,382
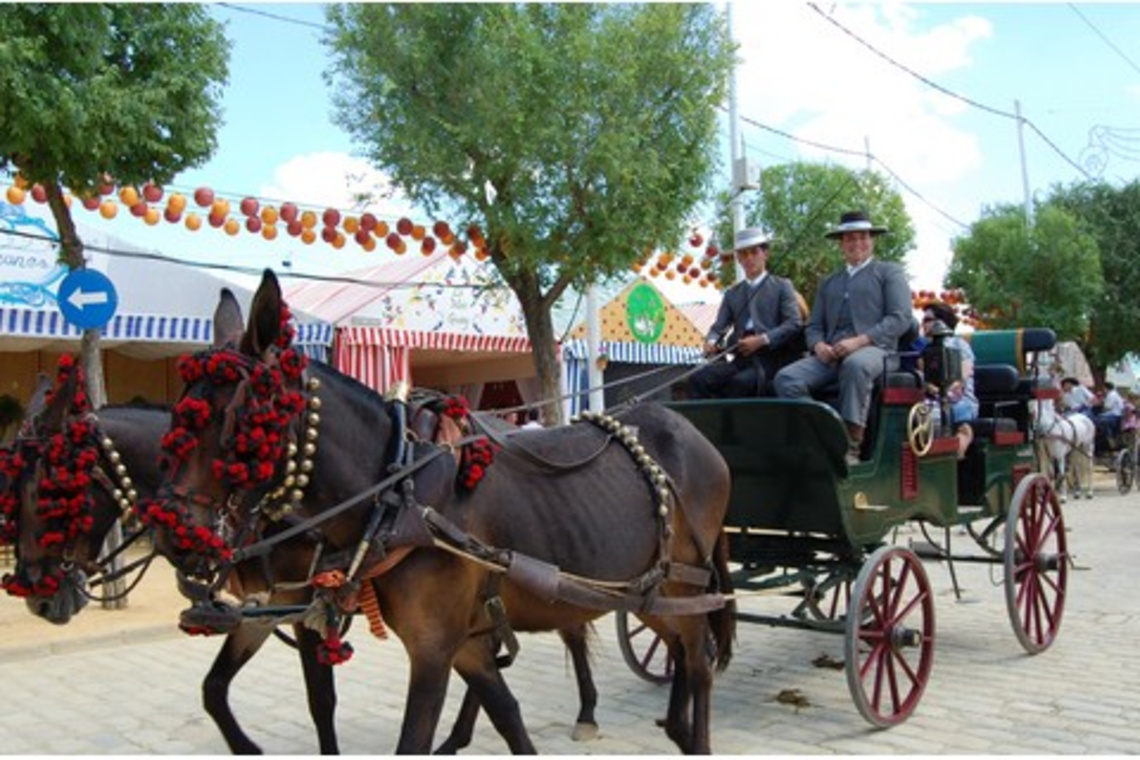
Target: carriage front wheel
x,y
1036,563
643,650
889,643
1125,470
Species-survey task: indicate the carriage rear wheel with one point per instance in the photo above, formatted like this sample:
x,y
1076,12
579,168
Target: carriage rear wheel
x,y
1125,468
1036,563
889,644
643,650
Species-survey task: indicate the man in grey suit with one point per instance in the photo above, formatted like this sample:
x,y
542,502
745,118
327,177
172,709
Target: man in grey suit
x,y
858,316
764,316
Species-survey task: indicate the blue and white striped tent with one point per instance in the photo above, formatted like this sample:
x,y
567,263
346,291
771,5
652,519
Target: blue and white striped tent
x,y
165,308
576,357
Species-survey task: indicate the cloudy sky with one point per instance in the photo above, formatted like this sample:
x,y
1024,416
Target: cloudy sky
x,y
928,89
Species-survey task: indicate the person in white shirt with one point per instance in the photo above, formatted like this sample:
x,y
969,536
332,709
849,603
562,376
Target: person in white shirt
x,y
1076,397
1108,420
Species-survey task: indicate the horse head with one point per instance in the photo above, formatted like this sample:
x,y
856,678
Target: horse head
x,y
47,504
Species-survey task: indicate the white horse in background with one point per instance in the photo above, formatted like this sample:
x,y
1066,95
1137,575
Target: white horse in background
x,y
1066,440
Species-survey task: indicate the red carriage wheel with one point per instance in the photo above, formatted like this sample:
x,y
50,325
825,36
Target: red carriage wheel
x,y
827,601
1036,563
643,650
889,644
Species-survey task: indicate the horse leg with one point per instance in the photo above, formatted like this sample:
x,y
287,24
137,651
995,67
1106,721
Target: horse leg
x,y
464,727
239,646
575,639
475,662
320,686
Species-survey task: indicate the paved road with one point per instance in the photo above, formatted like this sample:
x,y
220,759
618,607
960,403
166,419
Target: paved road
x,y
136,691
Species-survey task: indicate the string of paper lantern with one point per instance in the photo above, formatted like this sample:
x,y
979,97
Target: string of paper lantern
x,y
206,208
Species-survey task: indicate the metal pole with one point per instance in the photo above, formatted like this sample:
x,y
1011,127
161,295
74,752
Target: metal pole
x,y
738,181
593,344
1024,169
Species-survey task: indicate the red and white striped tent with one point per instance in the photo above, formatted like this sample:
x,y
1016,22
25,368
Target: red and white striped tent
x,y
429,320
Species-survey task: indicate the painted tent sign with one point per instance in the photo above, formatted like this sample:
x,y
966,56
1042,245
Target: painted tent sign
x,y
29,268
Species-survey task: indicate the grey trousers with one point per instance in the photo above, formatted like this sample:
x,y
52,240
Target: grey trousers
x,y
856,375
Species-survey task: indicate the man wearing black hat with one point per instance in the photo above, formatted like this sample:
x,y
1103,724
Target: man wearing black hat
x,y
764,316
858,316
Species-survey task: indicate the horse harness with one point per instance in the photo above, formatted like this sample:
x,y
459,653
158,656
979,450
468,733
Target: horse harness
x,y
398,524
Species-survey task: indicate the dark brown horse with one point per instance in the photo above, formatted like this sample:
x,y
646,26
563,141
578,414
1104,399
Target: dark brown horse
x,y
564,525
52,576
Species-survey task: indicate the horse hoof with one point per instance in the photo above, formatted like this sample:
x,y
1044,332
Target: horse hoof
x,y
584,732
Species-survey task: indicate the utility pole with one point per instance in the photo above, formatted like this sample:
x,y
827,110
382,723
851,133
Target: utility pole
x,y
1024,169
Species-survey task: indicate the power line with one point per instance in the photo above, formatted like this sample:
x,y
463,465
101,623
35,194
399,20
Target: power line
x,y
950,93
1104,38
274,16
252,271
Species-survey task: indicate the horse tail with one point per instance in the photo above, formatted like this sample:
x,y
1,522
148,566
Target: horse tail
x,y
722,622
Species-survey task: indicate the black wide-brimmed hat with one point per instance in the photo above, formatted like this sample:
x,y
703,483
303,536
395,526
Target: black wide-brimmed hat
x,y
855,221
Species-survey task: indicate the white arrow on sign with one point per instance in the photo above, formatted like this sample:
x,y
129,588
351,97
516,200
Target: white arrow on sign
x,y
79,299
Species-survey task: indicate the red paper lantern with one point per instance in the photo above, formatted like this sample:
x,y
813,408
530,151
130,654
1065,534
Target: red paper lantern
x,y
289,211
171,215
39,194
91,202
249,206
328,234
293,227
404,226
441,230
253,224
368,221
393,241
204,196
152,192
139,209
331,217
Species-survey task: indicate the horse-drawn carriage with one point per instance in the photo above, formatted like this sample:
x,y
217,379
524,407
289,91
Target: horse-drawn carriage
x,y
267,483
801,521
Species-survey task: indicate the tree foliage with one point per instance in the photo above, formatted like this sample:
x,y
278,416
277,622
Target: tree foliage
x,y
574,136
799,202
91,91
1112,216
1046,276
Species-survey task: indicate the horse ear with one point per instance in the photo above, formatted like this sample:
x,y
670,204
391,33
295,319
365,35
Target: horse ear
x,y
264,317
36,403
228,323
50,419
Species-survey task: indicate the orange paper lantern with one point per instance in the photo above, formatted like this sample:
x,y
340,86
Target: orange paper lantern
x,y
16,195
108,209
193,222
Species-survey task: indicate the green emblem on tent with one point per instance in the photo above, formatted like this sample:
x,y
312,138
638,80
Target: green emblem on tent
x,y
645,313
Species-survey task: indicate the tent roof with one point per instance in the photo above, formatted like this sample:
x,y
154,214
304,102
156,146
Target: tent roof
x,y
435,294
165,307
635,316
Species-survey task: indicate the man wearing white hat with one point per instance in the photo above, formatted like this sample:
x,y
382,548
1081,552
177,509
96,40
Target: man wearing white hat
x,y
857,318
764,316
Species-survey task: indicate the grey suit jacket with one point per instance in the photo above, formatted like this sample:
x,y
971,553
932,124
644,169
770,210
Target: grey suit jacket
x,y
774,311
880,304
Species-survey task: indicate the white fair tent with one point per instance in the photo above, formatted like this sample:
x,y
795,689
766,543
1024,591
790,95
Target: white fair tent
x,y
436,320
165,307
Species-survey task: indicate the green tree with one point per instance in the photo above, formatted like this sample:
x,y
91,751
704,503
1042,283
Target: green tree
x,y
575,137
799,202
1046,276
1112,216
90,91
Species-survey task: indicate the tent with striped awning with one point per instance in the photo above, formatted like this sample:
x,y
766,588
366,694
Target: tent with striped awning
x,y
433,321
165,309
646,344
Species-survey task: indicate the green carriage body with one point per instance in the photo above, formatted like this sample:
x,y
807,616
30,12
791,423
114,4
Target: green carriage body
x,y
801,522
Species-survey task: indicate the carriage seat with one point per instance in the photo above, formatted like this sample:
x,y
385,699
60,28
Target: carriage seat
x,y
985,427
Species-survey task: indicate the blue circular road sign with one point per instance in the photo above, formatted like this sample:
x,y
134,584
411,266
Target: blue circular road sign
x,y
87,299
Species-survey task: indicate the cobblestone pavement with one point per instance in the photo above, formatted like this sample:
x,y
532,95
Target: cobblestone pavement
x,y
129,683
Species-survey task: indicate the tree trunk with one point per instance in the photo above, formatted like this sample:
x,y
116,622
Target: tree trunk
x,y
71,254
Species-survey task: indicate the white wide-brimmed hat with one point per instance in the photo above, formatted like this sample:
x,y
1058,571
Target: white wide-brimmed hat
x,y
855,221
750,237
